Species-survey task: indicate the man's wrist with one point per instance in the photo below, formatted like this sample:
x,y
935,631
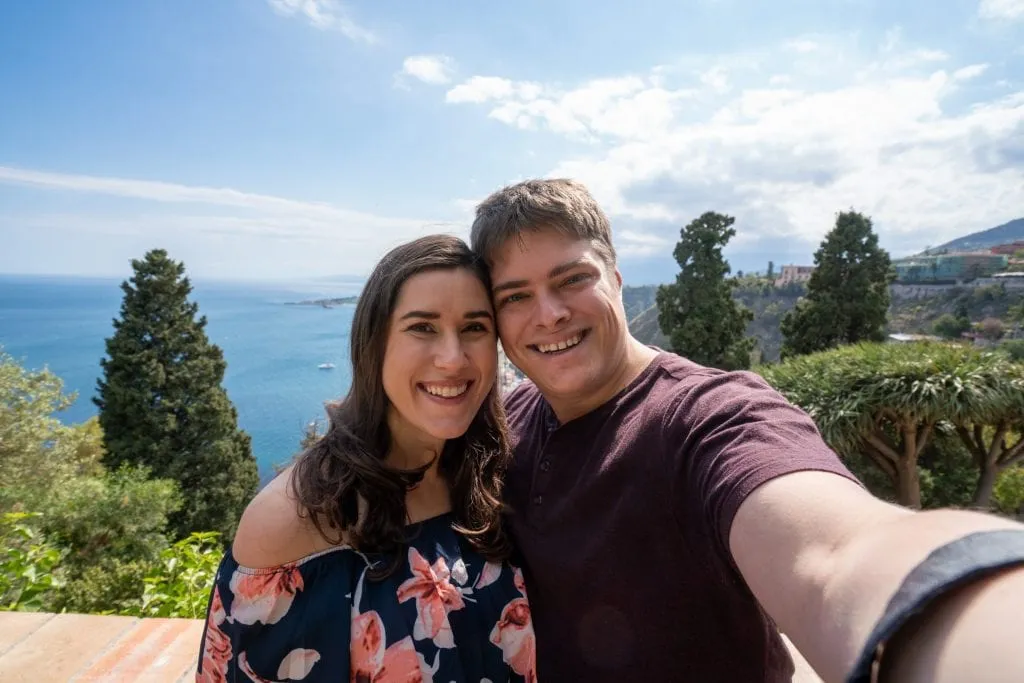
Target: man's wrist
x,y
930,593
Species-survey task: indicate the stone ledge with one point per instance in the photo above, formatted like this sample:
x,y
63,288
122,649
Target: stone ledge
x,y
80,648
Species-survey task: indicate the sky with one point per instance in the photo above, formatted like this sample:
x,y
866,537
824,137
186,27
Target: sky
x,y
301,139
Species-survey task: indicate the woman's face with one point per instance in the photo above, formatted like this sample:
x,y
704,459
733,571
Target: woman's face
x,y
441,356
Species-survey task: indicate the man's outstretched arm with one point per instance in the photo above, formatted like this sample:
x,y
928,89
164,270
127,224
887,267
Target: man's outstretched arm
x,y
824,558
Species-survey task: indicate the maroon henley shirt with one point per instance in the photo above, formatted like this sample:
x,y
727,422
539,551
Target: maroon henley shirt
x,y
622,520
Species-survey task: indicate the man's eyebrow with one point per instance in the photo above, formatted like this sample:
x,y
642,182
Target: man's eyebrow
x,y
567,266
554,272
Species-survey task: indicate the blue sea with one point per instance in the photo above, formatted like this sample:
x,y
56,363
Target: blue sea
x,y
272,349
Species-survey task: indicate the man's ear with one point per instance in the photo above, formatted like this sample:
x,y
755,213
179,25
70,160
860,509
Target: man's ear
x,y
618,278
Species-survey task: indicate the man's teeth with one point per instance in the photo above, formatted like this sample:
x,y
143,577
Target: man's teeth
x,y
559,346
447,391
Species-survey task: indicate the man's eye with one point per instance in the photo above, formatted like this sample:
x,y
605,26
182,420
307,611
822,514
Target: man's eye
x,y
575,279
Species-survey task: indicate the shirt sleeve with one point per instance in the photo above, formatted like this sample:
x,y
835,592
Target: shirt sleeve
x,y
263,625
734,432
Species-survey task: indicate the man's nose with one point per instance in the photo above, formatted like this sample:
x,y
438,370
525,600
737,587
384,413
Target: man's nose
x,y
551,310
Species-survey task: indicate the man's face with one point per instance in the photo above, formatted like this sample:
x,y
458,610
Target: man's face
x,y
560,315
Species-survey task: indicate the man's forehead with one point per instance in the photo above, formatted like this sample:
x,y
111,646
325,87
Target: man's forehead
x,y
538,249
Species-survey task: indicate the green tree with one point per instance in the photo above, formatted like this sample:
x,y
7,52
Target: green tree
x,y
38,453
771,270
697,312
162,404
885,401
949,326
848,293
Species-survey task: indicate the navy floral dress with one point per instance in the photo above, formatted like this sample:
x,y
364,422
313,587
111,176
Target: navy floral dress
x,y
445,615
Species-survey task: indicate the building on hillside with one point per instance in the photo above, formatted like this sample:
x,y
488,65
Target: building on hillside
x,y
949,267
790,274
1009,249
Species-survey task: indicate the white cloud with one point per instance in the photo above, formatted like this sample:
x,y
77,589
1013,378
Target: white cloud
x,y
1001,9
432,69
802,45
328,15
784,141
716,78
968,72
320,237
479,89
632,243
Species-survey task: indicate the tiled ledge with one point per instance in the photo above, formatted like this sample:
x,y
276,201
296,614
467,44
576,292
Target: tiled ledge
x,y
52,648
79,648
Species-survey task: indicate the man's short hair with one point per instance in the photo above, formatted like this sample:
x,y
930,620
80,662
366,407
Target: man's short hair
x,y
557,203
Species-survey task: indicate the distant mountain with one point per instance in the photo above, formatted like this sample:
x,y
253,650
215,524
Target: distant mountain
x,y
1002,234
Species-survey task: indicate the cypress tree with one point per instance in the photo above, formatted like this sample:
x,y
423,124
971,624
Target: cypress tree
x,y
698,313
161,402
848,294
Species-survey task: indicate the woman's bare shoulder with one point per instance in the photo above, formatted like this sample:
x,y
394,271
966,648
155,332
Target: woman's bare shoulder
x,y
272,532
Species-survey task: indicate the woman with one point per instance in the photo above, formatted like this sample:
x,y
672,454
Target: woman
x,y
379,555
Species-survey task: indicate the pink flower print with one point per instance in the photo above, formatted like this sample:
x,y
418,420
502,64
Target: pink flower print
x,y
372,663
517,579
264,597
295,666
488,575
435,598
514,635
217,646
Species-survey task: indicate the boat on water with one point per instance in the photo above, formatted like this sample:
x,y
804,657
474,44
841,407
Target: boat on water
x,y
326,366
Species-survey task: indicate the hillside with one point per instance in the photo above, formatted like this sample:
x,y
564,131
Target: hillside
x,y
768,303
917,316
1001,234
907,315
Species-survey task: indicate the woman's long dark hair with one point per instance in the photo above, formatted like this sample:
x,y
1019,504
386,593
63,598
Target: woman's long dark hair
x,y
347,463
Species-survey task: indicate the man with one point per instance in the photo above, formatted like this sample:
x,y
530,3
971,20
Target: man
x,y
673,519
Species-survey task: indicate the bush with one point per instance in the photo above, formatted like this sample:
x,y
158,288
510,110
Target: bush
x,y
179,585
28,565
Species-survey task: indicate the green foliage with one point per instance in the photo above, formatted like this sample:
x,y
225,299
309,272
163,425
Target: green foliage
x,y
108,587
81,538
1014,348
884,401
1008,493
120,516
698,313
948,476
39,454
179,585
28,565
162,404
951,327
848,293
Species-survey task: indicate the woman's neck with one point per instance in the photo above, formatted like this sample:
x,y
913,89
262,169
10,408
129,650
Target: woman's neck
x,y
412,449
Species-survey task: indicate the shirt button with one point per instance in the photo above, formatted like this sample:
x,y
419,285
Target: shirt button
x,y
545,465
537,500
